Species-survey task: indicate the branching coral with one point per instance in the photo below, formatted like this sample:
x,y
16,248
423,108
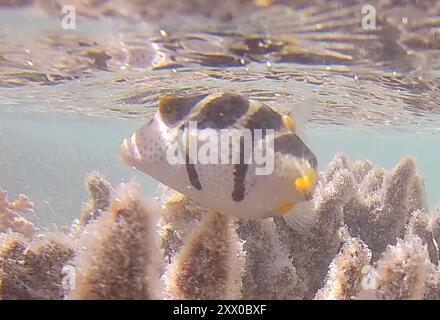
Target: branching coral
x,y
178,221
281,263
11,215
100,191
268,270
346,271
435,228
401,272
313,251
421,224
432,285
382,206
33,270
209,266
119,255
373,239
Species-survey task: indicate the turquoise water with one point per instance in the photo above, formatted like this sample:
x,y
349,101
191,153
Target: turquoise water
x,y
47,156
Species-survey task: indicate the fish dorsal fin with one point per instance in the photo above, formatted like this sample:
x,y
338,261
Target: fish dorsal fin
x,y
173,108
290,122
296,119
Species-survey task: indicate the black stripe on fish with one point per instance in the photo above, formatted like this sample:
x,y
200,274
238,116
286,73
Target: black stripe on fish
x,y
264,118
290,143
190,168
173,109
221,112
239,175
193,176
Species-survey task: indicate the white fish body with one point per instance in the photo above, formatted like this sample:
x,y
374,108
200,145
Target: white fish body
x,y
231,188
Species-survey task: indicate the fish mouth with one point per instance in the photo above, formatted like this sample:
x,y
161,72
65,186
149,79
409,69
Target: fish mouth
x,y
128,151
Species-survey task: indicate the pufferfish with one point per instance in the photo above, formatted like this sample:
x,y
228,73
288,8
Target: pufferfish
x,y
229,187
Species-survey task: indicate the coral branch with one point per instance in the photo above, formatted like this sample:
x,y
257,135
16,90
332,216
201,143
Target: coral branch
x,y
420,224
119,256
209,266
346,271
401,272
179,220
432,285
382,207
313,251
268,270
100,191
33,270
11,217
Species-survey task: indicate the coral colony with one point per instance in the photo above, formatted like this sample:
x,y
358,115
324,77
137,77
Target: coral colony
x,y
374,239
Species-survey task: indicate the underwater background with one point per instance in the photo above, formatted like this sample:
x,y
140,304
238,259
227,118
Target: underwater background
x,y
68,97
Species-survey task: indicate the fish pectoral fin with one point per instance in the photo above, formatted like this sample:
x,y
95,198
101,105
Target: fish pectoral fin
x,y
301,217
